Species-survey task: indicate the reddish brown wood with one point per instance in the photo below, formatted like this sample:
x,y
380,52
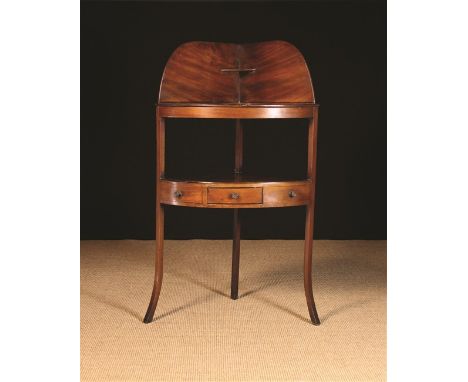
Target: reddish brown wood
x,y
158,273
309,226
236,232
236,81
293,195
235,195
181,193
238,149
217,73
309,230
193,74
235,255
217,194
281,74
238,111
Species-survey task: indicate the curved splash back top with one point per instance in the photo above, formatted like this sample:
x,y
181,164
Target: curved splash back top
x,y
220,73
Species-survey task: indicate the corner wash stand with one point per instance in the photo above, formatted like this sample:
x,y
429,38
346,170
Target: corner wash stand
x,y
236,81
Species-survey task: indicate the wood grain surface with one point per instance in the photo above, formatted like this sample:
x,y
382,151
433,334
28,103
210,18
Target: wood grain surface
x,y
236,81
220,73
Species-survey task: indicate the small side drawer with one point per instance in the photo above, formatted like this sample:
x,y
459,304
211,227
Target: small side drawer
x,y
294,195
180,193
241,195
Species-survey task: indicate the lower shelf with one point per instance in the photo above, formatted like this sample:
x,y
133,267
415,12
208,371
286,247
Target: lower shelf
x,y
235,194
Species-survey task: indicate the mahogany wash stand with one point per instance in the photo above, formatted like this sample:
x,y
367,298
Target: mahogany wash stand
x,y
236,81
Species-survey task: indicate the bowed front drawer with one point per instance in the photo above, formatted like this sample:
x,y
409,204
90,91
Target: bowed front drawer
x,y
230,195
235,194
181,193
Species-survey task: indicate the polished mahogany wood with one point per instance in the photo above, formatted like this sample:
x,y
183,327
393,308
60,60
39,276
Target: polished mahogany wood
x,y
158,273
234,195
212,194
290,195
216,73
236,231
238,148
281,74
309,226
181,193
193,74
238,111
236,81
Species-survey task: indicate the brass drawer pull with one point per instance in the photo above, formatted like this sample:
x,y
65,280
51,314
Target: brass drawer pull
x,y
292,194
178,194
235,195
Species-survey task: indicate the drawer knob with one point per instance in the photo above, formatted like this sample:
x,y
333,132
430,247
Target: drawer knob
x,y
235,195
178,194
292,194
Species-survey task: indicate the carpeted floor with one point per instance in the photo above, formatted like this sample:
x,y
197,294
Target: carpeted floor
x,y
200,334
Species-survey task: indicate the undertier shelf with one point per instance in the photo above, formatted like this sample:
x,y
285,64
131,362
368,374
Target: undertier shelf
x,y
235,192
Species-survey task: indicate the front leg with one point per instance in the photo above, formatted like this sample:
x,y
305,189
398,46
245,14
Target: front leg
x,y
308,265
158,273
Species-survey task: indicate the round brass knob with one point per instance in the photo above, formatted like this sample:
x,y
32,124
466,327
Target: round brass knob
x,y
178,194
235,195
292,194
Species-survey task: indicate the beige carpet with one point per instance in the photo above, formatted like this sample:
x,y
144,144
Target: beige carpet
x,y
200,334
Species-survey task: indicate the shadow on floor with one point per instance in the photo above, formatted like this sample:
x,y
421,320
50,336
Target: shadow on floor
x,y
102,299
114,304
199,283
342,308
325,317
290,276
194,302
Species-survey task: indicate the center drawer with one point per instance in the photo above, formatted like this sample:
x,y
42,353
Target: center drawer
x,y
238,195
